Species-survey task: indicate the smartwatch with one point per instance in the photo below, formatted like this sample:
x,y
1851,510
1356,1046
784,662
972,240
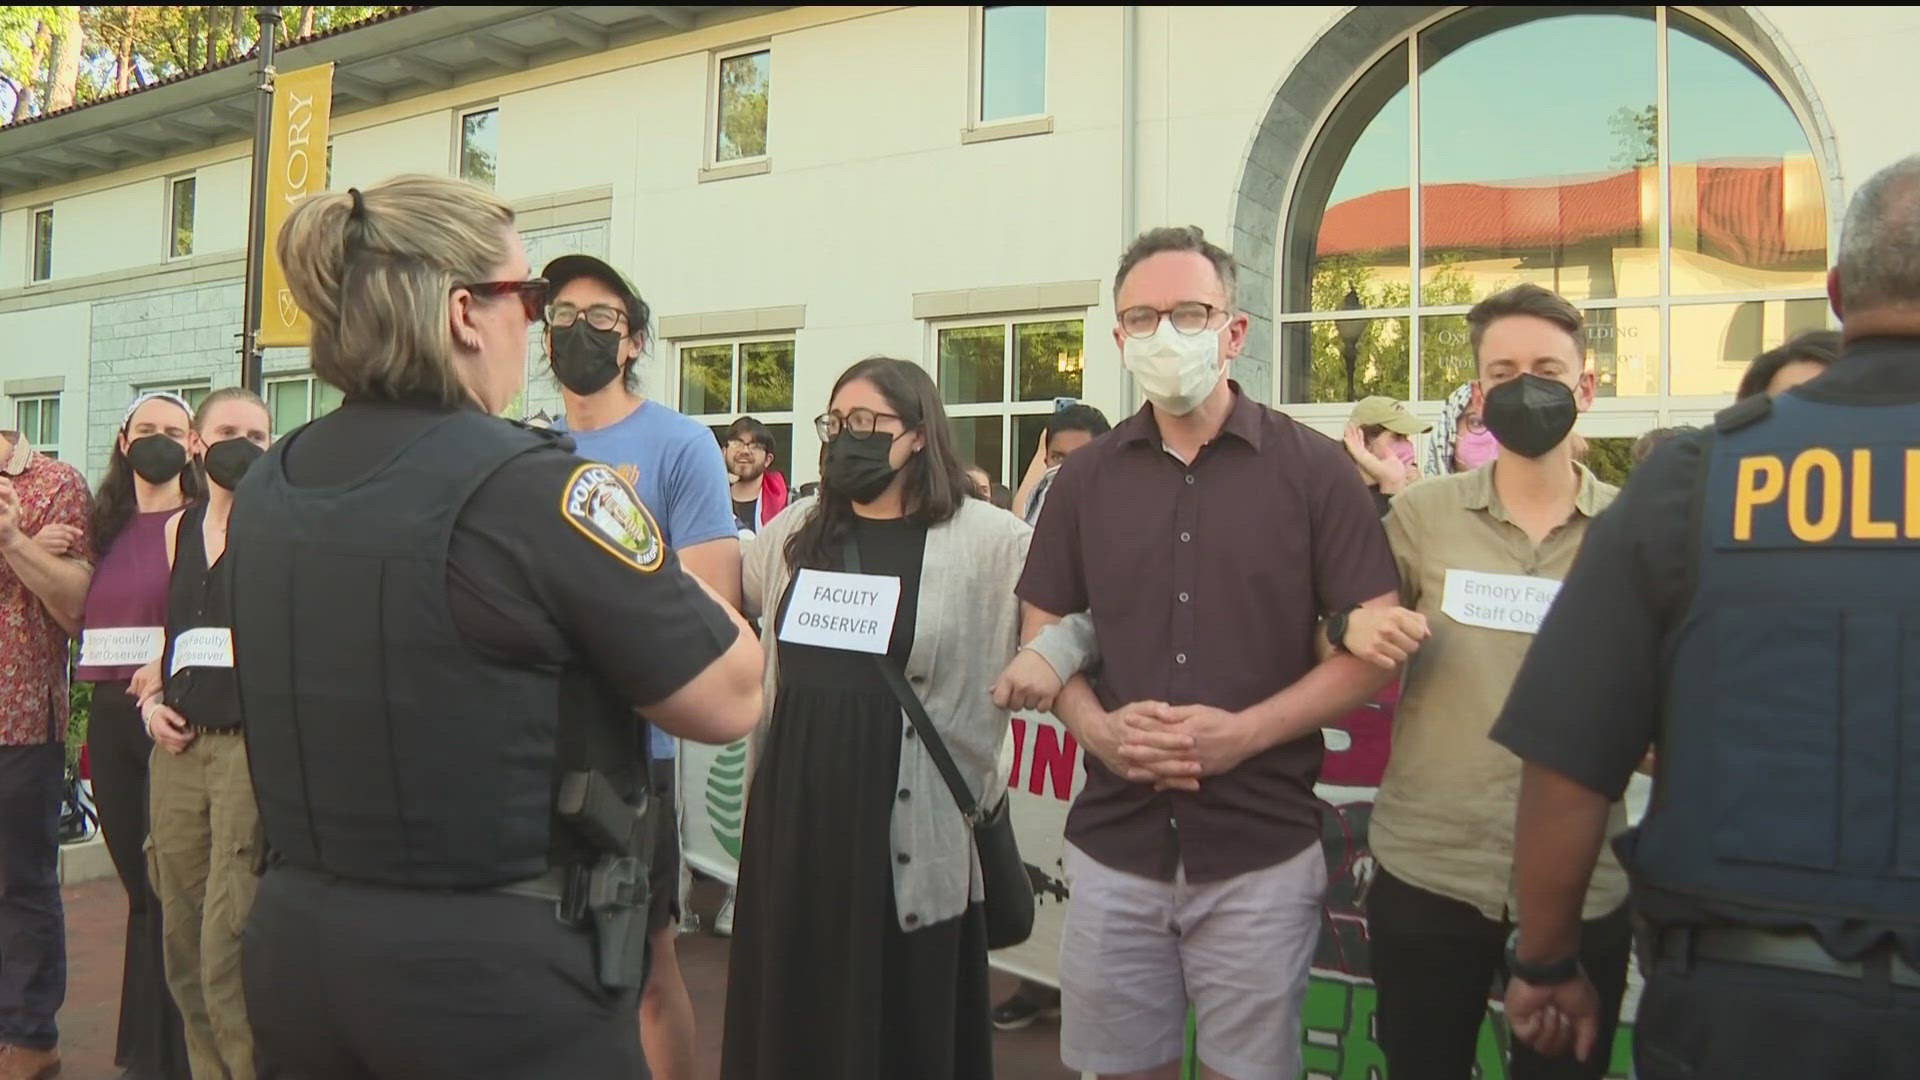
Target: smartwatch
x,y
1337,628
1565,969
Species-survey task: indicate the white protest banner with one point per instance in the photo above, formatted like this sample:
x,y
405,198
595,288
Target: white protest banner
x,y
121,646
842,611
206,646
1498,601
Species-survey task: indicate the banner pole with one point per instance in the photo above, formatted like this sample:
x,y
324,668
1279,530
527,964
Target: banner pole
x,y
250,357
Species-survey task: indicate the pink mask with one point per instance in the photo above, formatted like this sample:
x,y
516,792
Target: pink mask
x,y
1475,448
1403,449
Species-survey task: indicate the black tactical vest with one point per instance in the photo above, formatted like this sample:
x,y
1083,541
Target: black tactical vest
x,y
384,749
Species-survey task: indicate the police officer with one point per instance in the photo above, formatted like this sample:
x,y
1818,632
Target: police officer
x,y
443,625
1751,607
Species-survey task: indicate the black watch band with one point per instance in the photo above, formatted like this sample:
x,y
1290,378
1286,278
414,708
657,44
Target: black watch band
x,y
1337,628
1565,969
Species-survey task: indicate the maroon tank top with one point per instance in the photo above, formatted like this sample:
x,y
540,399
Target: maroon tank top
x,y
126,616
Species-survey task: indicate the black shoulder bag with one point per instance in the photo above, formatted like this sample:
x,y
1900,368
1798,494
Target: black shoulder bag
x,y
1009,904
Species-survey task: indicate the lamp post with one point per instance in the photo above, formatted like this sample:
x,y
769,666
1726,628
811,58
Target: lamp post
x,y
269,23
1350,331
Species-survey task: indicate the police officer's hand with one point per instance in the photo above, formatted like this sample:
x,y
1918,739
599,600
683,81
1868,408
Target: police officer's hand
x,y
1385,636
1555,1019
1029,682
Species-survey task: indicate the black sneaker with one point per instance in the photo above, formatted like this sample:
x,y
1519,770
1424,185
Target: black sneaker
x,y
1024,1007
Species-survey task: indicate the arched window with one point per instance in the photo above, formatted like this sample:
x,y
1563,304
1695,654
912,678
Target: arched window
x,y
1632,159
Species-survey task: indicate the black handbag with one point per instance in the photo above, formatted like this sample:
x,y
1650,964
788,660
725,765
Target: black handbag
x,y
1009,888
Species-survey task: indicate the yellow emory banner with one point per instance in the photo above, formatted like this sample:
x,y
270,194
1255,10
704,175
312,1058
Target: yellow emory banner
x,y
296,168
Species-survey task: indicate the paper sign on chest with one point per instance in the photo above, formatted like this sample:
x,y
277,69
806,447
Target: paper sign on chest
x,y
834,610
1513,602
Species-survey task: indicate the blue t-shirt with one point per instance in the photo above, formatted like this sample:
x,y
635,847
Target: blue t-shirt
x,y
676,466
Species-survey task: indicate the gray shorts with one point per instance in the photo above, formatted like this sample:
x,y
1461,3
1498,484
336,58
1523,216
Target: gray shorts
x,y
1135,952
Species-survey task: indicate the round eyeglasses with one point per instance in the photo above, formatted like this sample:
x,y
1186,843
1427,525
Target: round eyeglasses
x,y
1190,318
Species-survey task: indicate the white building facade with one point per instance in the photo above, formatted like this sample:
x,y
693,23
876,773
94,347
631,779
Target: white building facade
x,y
793,189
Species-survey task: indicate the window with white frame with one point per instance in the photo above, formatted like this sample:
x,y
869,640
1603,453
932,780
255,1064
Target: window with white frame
x,y
479,146
193,393
999,379
37,419
743,82
295,399
180,216
41,267
1010,81
722,380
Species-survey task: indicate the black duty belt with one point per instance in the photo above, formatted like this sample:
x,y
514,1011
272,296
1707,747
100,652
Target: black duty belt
x,y
1798,950
551,885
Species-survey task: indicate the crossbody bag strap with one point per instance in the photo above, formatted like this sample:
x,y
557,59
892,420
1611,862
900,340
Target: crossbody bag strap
x,y
917,712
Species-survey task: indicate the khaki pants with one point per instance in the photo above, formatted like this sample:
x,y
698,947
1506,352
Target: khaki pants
x,y
205,837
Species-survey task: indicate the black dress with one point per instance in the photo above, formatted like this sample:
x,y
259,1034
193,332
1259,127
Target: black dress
x,y
823,983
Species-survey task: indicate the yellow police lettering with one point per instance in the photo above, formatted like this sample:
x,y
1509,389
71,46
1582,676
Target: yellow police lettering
x,y
1762,478
1799,484
1863,526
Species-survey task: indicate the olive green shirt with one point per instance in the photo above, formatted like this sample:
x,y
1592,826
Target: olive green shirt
x,y
1443,818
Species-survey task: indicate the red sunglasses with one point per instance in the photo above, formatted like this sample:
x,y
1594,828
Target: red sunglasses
x,y
532,293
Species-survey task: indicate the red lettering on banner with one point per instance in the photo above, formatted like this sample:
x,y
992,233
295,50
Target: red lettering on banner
x,y
1053,757
1019,750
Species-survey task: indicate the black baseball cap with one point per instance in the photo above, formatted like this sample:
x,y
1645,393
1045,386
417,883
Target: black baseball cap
x,y
567,268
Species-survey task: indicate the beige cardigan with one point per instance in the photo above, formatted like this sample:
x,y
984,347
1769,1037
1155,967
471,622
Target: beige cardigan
x,y
967,628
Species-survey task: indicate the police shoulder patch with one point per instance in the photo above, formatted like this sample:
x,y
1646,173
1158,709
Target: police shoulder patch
x,y
603,506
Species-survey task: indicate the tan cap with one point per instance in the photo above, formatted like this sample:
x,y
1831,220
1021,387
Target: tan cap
x,y
1387,413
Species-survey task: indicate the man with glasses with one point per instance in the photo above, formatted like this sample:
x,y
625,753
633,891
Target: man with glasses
x,y
596,329
1206,534
759,491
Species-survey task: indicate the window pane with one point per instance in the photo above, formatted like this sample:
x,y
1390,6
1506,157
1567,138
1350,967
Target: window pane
x,y
1446,356
194,395
973,363
1749,210
978,442
287,404
1013,62
782,449
1714,343
1350,224
182,223
1610,459
50,421
1346,360
1623,351
744,85
43,245
1047,359
326,398
766,376
706,379
1537,154
1026,439
479,147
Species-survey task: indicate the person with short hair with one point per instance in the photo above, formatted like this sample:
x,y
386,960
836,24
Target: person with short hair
x,y
759,490
1776,371
448,630
979,483
1067,430
1379,438
1476,551
42,600
1748,606
1205,536
1649,441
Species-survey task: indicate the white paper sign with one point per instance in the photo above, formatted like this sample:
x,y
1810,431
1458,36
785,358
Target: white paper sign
x,y
842,611
121,646
207,646
1498,601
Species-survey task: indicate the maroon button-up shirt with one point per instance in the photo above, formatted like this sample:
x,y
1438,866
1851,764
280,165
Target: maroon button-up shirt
x,y
1204,583
33,647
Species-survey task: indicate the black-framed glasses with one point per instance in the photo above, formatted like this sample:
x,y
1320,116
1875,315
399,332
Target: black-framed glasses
x,y
599,316
859,423
734,445
532,293
1189,318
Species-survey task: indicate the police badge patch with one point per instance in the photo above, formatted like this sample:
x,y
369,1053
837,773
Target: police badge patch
x,y
601,505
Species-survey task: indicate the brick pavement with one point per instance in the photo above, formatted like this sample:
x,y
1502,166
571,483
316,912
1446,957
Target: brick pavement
x,y
96,921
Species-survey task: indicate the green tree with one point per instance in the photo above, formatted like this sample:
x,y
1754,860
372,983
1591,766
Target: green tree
x,y
1638,133
1382,355
744,84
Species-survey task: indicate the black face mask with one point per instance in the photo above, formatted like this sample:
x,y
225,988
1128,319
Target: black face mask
x,y
858,468
1530,415
585,360
228,460
156,458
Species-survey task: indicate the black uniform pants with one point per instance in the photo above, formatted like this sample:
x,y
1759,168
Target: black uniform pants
x,y
33,938
152,1040
1712,1019
359,982
1433,961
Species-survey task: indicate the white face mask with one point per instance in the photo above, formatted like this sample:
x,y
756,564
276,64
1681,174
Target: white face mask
x,y
1174,370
